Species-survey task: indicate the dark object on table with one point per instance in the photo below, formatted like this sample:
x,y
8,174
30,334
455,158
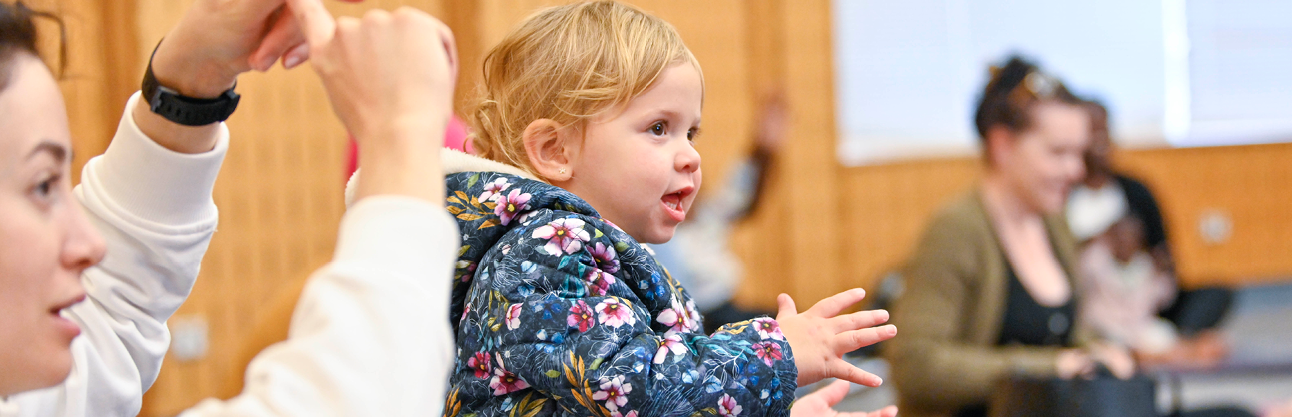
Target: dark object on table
x,y
1102,396
1198,310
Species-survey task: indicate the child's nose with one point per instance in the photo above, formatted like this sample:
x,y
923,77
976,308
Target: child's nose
x,y
688,160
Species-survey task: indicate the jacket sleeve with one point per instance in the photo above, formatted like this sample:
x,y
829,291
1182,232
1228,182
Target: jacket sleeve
x,y
370,335
935,366
155,211
582,332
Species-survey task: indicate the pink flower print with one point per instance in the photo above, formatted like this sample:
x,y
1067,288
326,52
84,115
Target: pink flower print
x,y
767,351
727,406
768,328
614,392
510,205
613,313
581,316
480,364
675,317
505,382
607,257
599,281
672,343
563,236
513,316
494,189
465,309
616,413
466,270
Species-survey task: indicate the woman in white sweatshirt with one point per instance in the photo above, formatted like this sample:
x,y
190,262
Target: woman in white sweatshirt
x,y
88,277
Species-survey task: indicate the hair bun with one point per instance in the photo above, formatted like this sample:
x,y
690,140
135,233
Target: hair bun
x,y
1005,78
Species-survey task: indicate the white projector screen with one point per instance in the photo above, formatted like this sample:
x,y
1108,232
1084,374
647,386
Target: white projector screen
x,y
909,73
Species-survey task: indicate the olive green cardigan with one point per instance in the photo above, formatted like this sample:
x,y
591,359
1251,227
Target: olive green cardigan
x,y
951,312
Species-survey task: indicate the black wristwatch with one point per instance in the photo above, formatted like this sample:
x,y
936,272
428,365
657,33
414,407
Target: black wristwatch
x,y
184,110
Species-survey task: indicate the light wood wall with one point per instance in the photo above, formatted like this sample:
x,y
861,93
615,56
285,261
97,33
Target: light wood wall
x,y
823,227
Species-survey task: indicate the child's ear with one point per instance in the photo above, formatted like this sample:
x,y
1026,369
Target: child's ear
x,y
550,149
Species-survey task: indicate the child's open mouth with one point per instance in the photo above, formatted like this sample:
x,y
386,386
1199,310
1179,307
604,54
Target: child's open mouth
x,y
672,203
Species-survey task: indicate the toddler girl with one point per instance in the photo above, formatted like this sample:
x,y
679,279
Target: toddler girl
x,y
587,120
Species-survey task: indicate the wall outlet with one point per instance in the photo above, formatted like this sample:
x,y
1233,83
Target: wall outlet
x,y
189,341
1215,226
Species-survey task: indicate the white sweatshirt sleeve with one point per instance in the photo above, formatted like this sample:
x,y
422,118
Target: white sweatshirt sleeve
x,y
371,334
155,212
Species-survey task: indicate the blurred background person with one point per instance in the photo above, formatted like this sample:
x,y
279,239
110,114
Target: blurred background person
x,y
1130,289
989,290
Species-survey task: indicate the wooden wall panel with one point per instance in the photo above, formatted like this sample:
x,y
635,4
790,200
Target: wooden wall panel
x,y
1252,185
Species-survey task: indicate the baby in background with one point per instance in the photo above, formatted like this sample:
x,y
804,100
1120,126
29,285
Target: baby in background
x,y
585,128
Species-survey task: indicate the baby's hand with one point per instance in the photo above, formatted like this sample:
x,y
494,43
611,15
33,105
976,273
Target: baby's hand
x,y
819,403
819,339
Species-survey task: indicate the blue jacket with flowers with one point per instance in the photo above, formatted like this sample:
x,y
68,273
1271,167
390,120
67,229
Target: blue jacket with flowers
x,y
562,313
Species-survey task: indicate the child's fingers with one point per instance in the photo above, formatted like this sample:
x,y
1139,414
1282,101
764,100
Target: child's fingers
x,y
859,320
786,305
890,411
832,305
846,371
852,340
834,392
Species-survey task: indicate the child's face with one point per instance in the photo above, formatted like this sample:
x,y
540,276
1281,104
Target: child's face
x,y
638,167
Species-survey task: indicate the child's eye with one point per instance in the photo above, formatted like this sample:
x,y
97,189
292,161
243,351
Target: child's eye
x,y
691,134
658,129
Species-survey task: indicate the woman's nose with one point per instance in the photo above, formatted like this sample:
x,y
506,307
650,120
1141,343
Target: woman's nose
x,y
83,247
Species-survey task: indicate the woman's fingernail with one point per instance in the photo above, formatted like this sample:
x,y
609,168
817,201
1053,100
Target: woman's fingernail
x,y
291,61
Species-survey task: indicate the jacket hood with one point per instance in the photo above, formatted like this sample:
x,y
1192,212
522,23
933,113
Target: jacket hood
x,y
453,161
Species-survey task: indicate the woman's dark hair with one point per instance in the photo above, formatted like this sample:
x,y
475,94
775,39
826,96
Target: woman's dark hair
x,y
1012,91
18,35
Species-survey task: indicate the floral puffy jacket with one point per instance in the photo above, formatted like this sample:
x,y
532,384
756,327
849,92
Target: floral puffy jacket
x,y
562,313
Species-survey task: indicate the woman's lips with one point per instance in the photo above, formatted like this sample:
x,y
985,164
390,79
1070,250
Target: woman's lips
x,y
65,326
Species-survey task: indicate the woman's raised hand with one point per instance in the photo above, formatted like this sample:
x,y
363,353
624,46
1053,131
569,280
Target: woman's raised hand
x,y
216,40
390,78
819,336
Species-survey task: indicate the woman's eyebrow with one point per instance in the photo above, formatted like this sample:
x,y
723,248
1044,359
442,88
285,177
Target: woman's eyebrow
x,y
54,149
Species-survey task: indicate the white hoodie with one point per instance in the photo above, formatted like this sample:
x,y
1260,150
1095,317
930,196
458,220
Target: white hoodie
x,y
370,335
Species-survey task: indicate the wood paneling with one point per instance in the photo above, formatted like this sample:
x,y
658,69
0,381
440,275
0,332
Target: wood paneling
x,y
1252,185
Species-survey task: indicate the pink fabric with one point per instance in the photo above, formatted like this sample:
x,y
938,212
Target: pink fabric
x,y
455,137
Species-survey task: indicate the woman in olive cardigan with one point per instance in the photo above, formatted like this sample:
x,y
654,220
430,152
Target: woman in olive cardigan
x,y
998,258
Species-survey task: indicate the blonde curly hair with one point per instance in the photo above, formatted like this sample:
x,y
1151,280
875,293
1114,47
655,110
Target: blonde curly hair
x,y
568,64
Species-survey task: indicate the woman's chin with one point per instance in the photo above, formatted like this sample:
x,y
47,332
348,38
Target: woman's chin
x,y
51,367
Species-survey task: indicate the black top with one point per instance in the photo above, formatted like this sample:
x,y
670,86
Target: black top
x,y
1029,323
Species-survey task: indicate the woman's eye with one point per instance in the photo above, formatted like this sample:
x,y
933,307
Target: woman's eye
x,y
44,189
658,129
